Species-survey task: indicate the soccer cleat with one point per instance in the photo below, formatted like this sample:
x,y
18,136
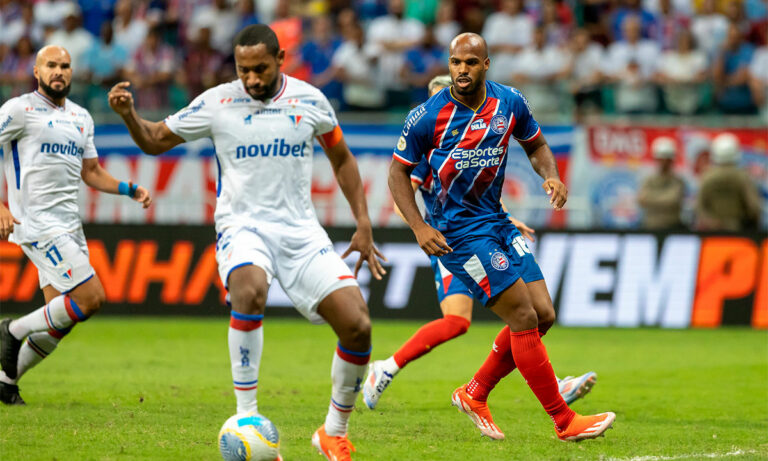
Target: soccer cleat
x,y
9,350
334,448
477,411
9,394
586,427
573,389
375,383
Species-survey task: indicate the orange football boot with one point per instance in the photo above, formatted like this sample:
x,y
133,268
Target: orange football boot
x,y
477,411
587,427
334,448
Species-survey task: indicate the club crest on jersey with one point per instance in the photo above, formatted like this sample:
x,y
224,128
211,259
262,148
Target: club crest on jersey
x,y
68,274
296,119
478,125
499,124
499,261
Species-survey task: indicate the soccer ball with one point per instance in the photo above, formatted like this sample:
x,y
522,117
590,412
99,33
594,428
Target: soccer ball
x,y
249,437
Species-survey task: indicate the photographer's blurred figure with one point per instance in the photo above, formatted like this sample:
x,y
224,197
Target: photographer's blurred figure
x,y
728,199
662,193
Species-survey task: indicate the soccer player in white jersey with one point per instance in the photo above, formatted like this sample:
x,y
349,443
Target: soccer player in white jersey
x,y
47,145
263,126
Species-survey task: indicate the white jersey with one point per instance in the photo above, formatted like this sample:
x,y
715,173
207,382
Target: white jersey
x,y
43,149
263,150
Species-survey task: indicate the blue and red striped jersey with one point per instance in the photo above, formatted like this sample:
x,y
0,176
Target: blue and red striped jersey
x,y
467,153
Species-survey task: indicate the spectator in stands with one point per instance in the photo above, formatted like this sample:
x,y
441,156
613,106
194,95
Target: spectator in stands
x,y
105,59
23,25
662,193
630,65
507,32
733,11
16,69
356,69
150,71
758,78
247,13
595,15
632,8
424,62
423,11
446,26
680,74
556,30
538,68
289,30
52,12
130,31
728,200
317,53
731,74
74,39
221,19
346,24
710,28
669,24
202,64
583,72
389,37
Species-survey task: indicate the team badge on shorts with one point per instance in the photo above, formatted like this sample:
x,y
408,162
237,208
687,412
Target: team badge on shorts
x,y
499,124
499,261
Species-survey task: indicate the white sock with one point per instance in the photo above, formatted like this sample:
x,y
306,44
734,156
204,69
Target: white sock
x,y
58,315
347,373
390,366
246,341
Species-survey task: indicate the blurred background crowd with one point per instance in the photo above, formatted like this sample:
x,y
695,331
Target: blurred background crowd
x,y
571,58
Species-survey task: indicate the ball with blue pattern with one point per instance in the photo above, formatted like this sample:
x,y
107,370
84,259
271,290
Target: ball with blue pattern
x,y
249,437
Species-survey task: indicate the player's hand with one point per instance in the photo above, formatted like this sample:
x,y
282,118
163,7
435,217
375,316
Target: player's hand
x,y
142,196
6,222
557,192
362,241
120,99
524,229
431,241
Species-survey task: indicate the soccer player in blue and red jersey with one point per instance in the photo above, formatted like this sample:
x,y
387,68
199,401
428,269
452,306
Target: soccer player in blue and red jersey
x,y
464,133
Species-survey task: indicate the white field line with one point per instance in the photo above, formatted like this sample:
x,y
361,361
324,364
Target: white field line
x,y
687,456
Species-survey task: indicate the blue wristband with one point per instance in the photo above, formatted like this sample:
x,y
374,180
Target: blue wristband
x,y
128,189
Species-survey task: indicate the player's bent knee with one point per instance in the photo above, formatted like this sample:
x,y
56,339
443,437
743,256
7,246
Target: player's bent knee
x,y
249,300
358,334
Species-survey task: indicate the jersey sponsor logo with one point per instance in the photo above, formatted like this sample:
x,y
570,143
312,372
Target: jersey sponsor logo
x,y
247,120
35,109
499,124
414,118
69,148
401,144
234,100
278,148
478,125
477,158
499,261
5,124
191,110
50,124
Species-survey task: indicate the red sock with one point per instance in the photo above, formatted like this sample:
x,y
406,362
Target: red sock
x,y
429,336
532,360
499,364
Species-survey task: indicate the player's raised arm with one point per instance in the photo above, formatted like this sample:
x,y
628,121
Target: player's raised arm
x,y
348,176
154,138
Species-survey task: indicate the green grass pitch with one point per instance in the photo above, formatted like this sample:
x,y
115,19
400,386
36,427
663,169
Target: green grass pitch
x,y
160,388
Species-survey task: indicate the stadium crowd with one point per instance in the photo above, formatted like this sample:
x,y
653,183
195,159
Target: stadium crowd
x,y
593,56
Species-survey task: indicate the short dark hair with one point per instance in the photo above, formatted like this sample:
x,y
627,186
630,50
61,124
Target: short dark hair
x,y
256,34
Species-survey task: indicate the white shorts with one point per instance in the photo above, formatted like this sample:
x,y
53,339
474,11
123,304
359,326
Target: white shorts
x,y
301,259
61,261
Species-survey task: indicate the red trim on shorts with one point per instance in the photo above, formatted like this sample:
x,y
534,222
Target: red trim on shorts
x,y
345,277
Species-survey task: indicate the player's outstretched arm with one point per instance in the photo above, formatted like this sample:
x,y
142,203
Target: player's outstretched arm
x,y
348,176
154,138
543,162
97,177
7,220
430,239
